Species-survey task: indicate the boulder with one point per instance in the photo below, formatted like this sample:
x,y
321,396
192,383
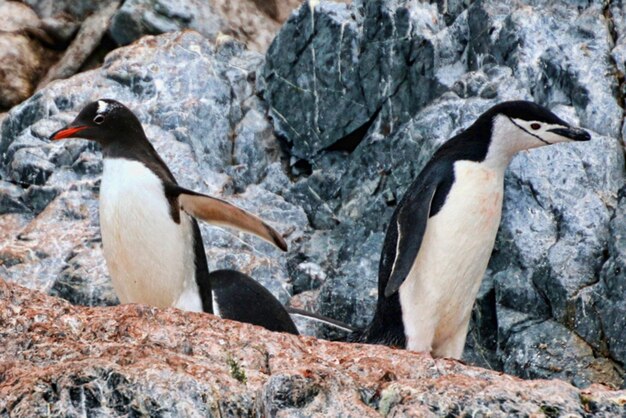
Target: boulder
x,y
23,59
250,21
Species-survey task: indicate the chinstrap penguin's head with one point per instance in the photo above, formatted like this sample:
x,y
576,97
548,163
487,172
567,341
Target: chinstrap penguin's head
x,y
521,125
105,121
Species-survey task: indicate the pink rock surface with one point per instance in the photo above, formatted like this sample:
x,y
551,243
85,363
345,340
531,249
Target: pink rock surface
x,y
60,359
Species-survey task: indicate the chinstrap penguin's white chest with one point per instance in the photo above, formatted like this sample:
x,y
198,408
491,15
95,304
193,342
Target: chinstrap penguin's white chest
x,y
149,256
439,292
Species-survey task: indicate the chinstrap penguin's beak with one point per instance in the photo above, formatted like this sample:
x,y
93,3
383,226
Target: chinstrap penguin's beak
x,y
67,132
575,134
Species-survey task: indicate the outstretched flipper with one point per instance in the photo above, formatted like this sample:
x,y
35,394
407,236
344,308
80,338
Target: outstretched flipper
x,y
219,212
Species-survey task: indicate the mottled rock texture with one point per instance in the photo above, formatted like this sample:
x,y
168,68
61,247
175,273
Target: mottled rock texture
x,y
87,40
132,360
362,94
34,33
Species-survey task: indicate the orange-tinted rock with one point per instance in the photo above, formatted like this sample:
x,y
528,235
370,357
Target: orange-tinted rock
x,y
65,360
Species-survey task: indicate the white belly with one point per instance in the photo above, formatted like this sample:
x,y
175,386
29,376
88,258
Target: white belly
x,y
150,257
438,295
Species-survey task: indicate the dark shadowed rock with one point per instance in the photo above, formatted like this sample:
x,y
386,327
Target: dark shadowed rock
x,y
88,264
137,18
39,197
11,198
606,302
333,69
30,166
251,22
76,9
89,36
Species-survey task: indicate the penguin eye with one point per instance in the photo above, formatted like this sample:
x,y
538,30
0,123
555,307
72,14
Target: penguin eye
x,y
535,126
98,119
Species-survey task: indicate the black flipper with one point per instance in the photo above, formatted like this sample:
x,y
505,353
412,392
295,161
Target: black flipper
x,y
423,199
404,242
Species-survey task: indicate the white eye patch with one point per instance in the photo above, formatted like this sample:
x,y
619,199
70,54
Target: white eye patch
x,y
102,106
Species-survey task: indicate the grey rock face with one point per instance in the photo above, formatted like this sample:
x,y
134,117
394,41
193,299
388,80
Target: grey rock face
x,y
345,85
76,9
197,104
10,198
61,19
87,40
81,267
252,22
149,17
606,296
333,69
551,52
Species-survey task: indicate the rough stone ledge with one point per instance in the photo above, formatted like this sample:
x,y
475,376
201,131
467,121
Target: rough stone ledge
x,y
59,359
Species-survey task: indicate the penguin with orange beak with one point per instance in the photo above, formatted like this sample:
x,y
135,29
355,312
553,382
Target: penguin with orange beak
x,y
150,237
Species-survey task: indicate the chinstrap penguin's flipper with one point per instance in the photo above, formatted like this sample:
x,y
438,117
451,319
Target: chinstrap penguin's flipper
x,y
411,220
219,212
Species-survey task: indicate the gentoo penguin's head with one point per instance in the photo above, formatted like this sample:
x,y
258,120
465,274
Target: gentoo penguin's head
x,y
103,121
520,125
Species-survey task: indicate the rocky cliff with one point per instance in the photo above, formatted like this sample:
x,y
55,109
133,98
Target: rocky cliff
x,y
323,134
57,359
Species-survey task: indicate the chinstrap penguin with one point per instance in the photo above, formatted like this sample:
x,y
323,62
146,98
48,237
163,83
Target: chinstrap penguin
x,y
151,241
441,235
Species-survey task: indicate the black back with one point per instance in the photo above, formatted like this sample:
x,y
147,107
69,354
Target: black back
x,y
241,298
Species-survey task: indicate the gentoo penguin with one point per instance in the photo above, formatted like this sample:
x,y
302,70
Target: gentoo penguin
x,y
441,235
151,241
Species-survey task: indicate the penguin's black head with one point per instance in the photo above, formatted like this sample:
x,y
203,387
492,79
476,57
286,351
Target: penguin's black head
x,y
105,121
510,127
533,125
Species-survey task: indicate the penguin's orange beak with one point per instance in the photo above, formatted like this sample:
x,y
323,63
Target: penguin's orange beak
x,y
67,132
